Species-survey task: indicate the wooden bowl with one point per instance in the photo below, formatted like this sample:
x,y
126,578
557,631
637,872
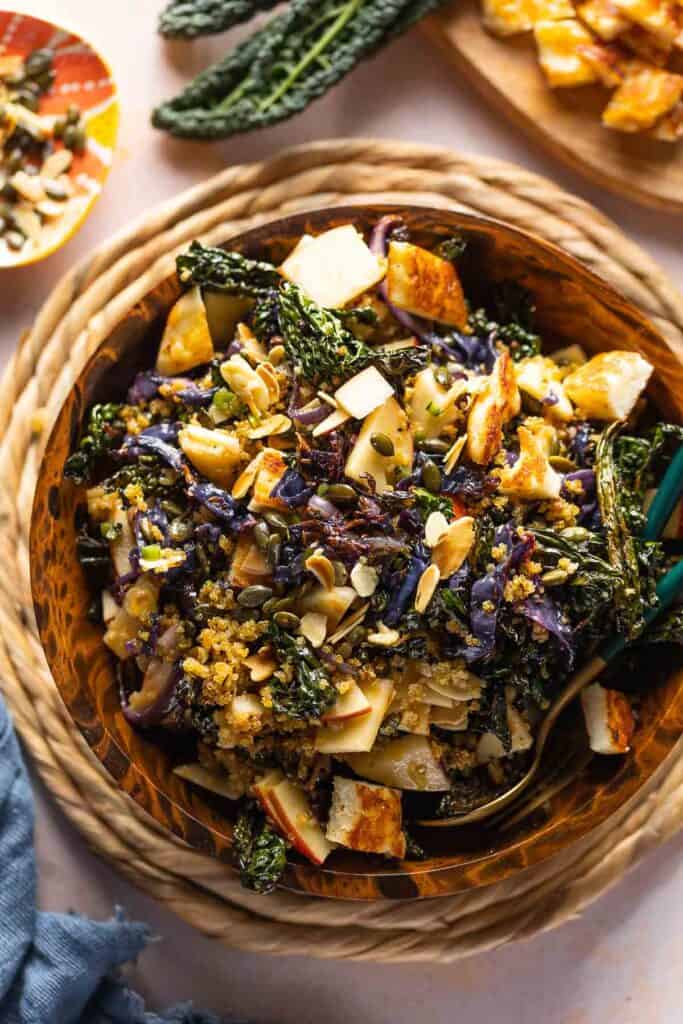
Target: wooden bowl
x,y
83,77
573,305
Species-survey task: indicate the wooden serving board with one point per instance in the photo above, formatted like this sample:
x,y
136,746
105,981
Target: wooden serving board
x,y
565,121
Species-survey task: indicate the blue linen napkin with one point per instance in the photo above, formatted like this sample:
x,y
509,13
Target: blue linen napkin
x,y
59,968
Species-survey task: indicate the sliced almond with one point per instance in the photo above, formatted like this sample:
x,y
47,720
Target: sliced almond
x,y
349,624
431,696
278,424
28,221
454,546
454,453
267,374
29,186
454,720
251,346
364,579
425,588
56,163
435,527
50,209
334,420
385,637
322,569
245,480
314,627
416,719
260,665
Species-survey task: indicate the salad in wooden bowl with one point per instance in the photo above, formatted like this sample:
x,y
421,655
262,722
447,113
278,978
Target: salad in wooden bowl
x,y
338,493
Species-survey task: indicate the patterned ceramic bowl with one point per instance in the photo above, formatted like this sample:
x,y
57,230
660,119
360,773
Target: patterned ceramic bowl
x,y
82,78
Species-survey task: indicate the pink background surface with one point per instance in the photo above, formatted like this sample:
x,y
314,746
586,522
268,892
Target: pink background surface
x,y
621,960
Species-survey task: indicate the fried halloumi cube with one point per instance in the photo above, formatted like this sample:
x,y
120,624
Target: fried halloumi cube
x,y
509,17
425,285
271,468
670,128
186,340
366,817
645,95
492,408
215,453
559,52
531,477
608,386
656,16
541,378
607,63
603,17
609,719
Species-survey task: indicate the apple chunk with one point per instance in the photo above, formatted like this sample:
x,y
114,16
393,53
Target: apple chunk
x,y
262,790
406,763
358,734
295,818
351,704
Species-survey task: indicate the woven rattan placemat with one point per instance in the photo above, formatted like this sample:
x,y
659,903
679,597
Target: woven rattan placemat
x,y
77,315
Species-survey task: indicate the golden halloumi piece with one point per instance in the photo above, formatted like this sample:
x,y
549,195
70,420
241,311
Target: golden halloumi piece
x,y
559,52
271,469
186,341
603,17
645,95
215,453
366,817
607,63
608,386
509,17
670,128
531,477
646,46
248,565
541,378
491,410
656,16
425,285
609,719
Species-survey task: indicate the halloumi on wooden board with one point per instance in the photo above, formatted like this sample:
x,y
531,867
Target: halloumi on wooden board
x,y
366,817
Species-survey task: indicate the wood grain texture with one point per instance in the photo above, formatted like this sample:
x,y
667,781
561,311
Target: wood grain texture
x,y
572,304
564,121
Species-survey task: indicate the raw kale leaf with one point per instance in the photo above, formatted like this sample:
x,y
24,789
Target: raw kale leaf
x,y
296,57
221,270
103,433
261,852
427,503
188,19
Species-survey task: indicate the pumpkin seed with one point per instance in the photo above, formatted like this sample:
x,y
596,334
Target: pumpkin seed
x,y
254,596
562,464
277,522
554,577
383,445
575,534
342,493
273,551
286,620
261,536
433,446
431,477
179,531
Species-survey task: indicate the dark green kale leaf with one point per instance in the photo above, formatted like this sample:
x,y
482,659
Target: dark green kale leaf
x,y
104,432
221,270
451,249
640,461
317,343
509,316
310,693
188,19
296,57
413,849
668,629
426,502
621,546
261,852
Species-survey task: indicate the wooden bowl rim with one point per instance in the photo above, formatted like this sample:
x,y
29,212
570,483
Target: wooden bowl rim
x,y
616,792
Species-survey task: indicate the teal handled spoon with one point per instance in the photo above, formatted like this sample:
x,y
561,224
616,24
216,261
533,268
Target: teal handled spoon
x,y
669,589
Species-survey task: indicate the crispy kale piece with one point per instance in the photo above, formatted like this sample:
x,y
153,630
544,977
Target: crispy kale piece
x,y
220,270
451,249
261,852
188,19
640,460
310,693
426,503
318,344
509,317
621,545
103,433
293,59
